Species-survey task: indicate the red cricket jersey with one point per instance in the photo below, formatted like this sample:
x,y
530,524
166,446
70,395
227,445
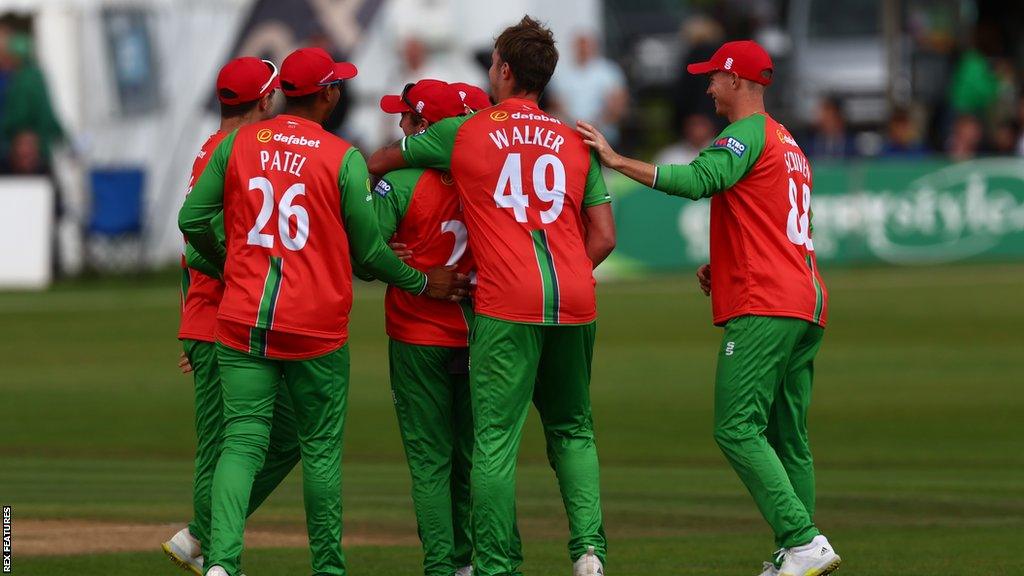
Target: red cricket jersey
x,y
522,176
434,229
762,253
287,274
200,294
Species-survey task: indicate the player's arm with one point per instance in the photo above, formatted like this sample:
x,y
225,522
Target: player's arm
x,y
369,252
638,170
391,198
431,148
195,261
715,170
719,166
598,220
203,203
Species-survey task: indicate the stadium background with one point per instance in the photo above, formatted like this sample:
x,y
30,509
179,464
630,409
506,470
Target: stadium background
x,y
910,111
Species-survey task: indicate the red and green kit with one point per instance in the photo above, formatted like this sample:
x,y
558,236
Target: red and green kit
x,y
428,359
762,254
768,293
420,209
201,292
297,206
525,180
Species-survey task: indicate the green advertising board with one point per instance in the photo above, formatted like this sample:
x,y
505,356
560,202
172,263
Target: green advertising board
x,y
904,213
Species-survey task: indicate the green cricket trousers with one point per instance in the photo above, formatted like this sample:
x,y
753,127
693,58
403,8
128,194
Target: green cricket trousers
x,y
511,365
318,388
282,455
430,386
762,394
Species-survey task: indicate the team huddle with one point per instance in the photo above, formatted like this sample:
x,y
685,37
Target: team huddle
x,y
486,222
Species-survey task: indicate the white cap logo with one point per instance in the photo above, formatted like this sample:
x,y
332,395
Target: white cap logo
x,y
419,107
728,63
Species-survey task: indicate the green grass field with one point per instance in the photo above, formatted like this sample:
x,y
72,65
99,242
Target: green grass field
x,y
917,428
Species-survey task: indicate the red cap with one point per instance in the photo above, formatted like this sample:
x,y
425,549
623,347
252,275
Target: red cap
x,y
473,96
433,99
745,58
308,70
246,79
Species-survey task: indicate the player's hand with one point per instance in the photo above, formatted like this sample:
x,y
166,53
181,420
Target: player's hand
x,y
704,279
401,250
593,137
446,284
183,364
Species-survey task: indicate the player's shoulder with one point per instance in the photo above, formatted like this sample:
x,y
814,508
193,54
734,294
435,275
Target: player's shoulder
x,y
743,134
212,142
401,181
293,132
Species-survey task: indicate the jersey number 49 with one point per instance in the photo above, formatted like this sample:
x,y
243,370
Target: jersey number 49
x,y
511,179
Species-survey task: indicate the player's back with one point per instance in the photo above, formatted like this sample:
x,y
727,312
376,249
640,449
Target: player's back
x,y
522,175
287,267
762,254
200,294
433,229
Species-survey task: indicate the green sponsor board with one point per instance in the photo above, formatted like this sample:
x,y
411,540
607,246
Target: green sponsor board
x,y
906,213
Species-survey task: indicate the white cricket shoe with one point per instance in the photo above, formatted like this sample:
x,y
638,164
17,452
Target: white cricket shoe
x,y
814,559
588,565
217,571
465,571
770,568
184,551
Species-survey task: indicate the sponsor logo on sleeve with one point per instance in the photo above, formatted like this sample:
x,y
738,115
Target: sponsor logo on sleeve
x,y
382,189
785,138
731,144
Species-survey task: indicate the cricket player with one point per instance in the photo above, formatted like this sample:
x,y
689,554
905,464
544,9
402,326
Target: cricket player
x,y
539,221
297,205
245,89
419,211
766,290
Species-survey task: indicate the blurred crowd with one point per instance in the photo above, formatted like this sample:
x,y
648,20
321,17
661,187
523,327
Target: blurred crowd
x,y
28,126
979,111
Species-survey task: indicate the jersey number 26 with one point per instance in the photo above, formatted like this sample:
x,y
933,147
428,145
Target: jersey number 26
x,y
285,211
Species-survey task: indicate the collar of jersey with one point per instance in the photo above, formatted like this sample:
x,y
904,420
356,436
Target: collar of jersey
x,y
299,119
524,101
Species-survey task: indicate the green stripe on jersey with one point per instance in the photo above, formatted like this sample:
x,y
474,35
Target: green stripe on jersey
x,y
186,283
257,342
548,276
271,290
819,297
